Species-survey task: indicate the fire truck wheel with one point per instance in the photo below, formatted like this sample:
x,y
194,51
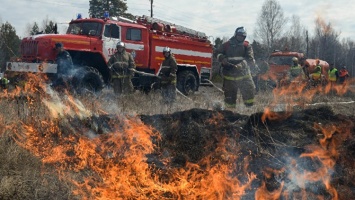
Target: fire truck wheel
x,y
186,82
87,79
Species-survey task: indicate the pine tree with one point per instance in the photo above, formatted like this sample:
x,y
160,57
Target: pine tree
x,y
9,43
35,29
51,27
114,7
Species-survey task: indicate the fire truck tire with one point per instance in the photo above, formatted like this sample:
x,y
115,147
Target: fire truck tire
x,y
87,79
186,82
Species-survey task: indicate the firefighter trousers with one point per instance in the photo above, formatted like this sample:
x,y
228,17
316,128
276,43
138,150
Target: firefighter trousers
x,y
122,85
168,93
244,85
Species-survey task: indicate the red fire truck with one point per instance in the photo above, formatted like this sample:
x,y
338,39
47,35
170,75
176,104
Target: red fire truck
x,y
91,42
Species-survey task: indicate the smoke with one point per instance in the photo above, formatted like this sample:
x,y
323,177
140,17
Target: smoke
x,y
64,105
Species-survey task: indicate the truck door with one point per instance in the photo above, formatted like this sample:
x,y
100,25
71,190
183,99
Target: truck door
x,y
137,44
112,34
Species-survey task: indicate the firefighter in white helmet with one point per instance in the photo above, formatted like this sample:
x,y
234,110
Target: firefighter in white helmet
x,y
168,77
121,64
236,56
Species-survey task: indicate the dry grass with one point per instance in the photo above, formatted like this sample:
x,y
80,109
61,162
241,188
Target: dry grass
x,y
22,173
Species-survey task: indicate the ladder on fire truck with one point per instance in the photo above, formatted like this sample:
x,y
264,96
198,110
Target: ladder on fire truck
x,y
164,26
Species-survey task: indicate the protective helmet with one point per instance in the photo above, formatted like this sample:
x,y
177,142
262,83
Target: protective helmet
x,y
240,31
295,59
166,49
120,44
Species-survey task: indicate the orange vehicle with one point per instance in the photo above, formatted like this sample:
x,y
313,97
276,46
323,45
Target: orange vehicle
x,y
91,42
280,62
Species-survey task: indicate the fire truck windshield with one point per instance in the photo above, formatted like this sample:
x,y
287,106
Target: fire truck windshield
x,y
85,28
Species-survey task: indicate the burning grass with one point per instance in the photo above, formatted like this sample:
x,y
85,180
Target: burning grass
x,y
59,146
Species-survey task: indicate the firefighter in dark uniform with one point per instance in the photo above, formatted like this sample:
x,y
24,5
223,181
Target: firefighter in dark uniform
x,y
121,64
236,55
168,77
64,67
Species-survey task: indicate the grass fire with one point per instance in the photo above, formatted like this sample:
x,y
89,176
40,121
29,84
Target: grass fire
x,y
294,144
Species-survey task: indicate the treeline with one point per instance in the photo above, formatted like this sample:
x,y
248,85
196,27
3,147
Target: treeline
x,y
274,31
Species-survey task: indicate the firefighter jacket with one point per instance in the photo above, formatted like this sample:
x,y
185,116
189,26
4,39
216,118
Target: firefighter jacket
x,y
120,64
168,70
64,62
333,74
239,56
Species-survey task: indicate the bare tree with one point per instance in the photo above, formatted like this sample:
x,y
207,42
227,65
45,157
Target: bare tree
x,y
270,23
297,35
325,44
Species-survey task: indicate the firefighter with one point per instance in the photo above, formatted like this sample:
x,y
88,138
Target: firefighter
x,y
64,66
168,76
343,75
263,77
121,66
235,56
63,60
296,72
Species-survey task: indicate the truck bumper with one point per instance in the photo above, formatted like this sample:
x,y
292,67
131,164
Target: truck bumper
x,y
31,67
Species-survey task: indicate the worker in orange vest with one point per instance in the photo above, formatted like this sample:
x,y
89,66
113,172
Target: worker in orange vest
x,y
343,75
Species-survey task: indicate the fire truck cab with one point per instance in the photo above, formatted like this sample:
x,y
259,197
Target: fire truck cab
x,y
91,42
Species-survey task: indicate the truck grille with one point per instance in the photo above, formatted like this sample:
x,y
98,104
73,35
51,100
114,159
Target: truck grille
x,y
29,49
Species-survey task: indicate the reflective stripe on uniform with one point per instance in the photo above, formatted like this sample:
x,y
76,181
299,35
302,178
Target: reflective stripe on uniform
x,y
165,82
231,78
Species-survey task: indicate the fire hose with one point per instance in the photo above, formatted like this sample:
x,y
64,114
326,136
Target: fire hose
x,y
219,89
153,75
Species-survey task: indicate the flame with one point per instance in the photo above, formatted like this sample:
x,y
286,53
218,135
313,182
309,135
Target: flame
x,y
118,164
300,93
262,193
123,162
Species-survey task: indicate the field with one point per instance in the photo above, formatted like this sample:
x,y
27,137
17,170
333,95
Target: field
x,y
290,145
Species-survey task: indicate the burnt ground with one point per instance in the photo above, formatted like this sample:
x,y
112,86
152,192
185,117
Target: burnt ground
x,y
272,149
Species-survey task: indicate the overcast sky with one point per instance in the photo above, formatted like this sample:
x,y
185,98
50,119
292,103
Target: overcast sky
x,y
216,18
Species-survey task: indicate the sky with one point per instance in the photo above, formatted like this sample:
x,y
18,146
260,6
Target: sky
x,y
216,18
